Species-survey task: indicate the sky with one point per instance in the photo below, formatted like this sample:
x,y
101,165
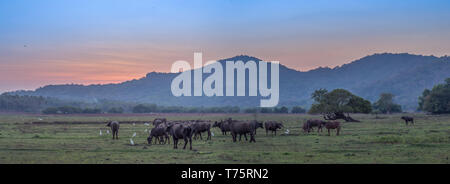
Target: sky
x,y
109,41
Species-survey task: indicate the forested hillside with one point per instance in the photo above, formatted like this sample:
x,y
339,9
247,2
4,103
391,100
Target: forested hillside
x,y
403,75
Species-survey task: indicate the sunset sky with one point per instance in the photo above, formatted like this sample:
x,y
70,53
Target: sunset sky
x,y
107,41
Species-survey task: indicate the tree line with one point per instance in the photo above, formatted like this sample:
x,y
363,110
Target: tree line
x,y
436,100
335,104
153,108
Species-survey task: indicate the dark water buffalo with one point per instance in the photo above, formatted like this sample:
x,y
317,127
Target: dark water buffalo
x,y
181,131
159,133
408,119
272,126
306,128
333,125
158,121
257,125
223,125
243,128
199,127
166,137
114,129
313,123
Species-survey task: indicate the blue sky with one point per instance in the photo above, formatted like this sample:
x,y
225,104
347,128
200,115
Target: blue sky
x,y
58,41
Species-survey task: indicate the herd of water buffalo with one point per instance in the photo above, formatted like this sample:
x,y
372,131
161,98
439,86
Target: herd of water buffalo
x,y
187,130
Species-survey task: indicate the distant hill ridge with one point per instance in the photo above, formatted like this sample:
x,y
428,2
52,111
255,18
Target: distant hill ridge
x,y
404,75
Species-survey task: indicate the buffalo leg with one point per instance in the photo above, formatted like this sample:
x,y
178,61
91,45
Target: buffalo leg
x,y
185,142
252,138
190,143
175,142
328,132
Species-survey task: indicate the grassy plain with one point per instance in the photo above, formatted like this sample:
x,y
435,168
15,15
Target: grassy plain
x,y
385,139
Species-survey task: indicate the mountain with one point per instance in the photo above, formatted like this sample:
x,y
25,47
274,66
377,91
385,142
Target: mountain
x,y
404,75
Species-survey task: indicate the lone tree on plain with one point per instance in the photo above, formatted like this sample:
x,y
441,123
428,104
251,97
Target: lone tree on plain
x,y
338,104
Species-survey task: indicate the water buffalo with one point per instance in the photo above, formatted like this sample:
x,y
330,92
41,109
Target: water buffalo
x,y
199,127
165,137
314,123
159,133
408,119
223,125
244,128
272,126
181,131
257,125
306,128
158,121
333,125
114,129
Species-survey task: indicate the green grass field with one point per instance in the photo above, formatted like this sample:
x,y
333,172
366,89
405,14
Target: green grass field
x,y
382,140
